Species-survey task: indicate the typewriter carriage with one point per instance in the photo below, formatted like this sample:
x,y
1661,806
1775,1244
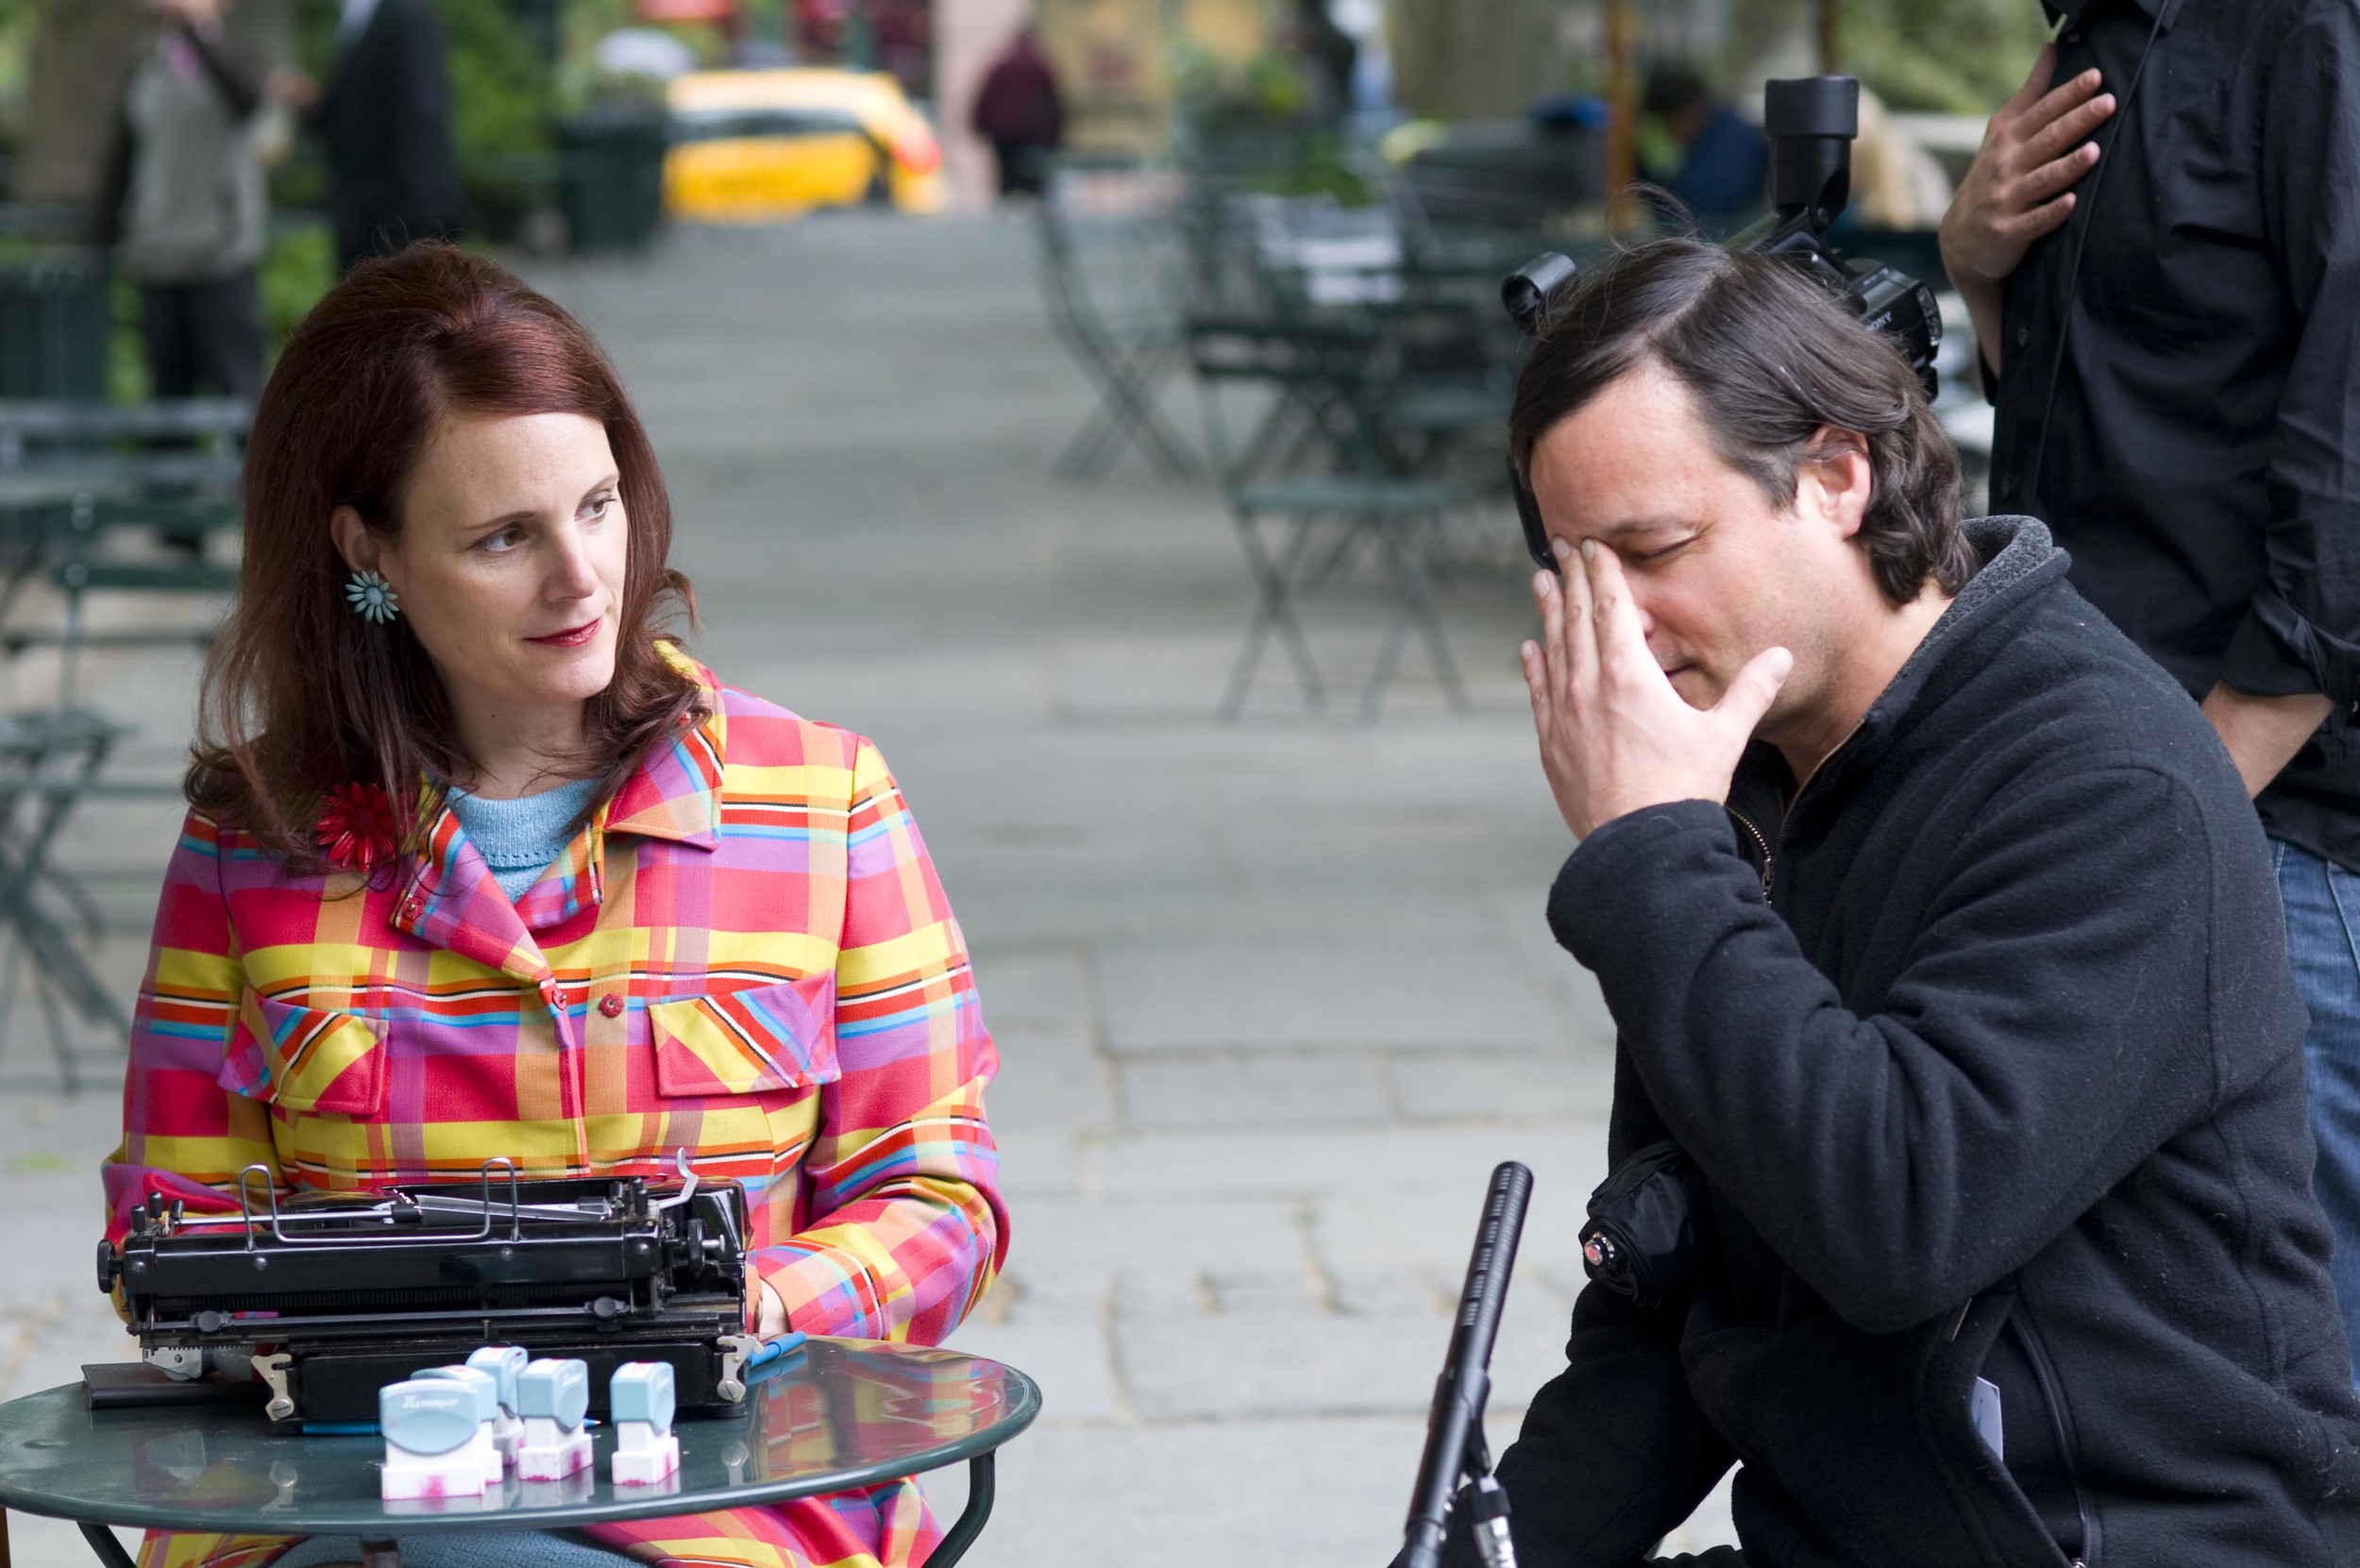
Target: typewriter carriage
x,y
345,1293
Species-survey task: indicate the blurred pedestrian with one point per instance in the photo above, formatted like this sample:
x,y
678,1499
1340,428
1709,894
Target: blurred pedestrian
x,y
1895,183
183,196
1330,57
2160,242
1724,174
384,117
1021,114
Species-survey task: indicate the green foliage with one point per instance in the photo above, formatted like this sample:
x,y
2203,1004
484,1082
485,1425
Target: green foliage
x,y
502,108
499,81
16,48
585,22
1266,92
127,380
1954,56
298,266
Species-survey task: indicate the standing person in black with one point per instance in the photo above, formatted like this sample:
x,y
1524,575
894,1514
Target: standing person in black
x,y
385,119
2162,254
1940,940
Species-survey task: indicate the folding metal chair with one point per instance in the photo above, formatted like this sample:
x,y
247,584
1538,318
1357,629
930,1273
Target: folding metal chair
x,y
1127,353
172,467
1322,516
49,760
80,568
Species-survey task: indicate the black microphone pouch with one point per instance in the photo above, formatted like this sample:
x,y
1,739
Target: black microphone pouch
x,y
1641,1237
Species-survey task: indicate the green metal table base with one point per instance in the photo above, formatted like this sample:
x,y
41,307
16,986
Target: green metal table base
x,y
385,1554
109,1550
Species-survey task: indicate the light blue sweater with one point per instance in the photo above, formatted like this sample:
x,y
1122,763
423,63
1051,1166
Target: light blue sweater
x,y
519,839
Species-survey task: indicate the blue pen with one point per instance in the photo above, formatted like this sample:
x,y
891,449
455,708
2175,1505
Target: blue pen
x,y
773,1349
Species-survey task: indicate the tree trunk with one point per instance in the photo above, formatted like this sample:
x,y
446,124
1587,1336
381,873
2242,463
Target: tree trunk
x,y
82,52
1454,60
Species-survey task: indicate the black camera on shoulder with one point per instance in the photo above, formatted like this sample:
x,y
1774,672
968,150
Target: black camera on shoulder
x,y
1810,122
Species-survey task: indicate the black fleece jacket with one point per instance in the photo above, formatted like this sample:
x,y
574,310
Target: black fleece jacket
x,y
1988,1056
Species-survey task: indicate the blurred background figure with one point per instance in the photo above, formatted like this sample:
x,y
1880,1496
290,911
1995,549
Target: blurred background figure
x,y
183,196
384,118
1895,183
1020,112
1724,160
1330,60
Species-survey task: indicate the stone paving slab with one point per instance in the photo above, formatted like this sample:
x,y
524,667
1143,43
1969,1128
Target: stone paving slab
x,y
1315,992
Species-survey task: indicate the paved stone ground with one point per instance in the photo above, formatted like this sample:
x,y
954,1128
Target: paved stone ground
x,y
1272,997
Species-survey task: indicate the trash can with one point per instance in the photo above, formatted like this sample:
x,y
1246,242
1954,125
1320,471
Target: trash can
x,y
56,322
611,177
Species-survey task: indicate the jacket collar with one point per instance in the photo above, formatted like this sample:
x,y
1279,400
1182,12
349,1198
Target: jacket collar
x,y
452,901
676,794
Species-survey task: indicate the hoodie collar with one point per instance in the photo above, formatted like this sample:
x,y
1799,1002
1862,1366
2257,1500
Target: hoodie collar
x,y
2020,559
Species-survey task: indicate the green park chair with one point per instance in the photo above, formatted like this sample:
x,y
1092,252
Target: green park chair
x,y
1316,473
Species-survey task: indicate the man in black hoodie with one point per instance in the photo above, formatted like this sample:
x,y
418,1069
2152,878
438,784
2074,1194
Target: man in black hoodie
x,y
1941,938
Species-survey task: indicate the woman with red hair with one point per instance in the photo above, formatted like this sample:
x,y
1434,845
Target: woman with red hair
x,y
478,863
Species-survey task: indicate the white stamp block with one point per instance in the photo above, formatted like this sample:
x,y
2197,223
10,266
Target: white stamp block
x,y
553,1397
505,1363
429,1427
640,1399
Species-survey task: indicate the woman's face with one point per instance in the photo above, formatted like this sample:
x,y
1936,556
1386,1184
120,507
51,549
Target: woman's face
x,y
509,562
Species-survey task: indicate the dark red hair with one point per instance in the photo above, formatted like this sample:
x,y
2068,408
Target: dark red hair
x,y
302,694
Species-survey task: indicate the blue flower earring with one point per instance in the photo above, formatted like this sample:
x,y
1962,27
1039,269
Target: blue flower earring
x,y
372,598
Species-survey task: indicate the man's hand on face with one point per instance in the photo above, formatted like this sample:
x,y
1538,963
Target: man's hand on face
x,y
2034,151
1614,736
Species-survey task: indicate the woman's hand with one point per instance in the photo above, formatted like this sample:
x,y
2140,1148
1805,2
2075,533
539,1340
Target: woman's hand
x,y
769,1314
1614,736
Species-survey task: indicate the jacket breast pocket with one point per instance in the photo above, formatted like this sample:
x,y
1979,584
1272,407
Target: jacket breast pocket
x,y
775,1037
305,1058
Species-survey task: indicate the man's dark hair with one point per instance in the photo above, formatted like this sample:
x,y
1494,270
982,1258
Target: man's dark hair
x,y
1772,358
1673,88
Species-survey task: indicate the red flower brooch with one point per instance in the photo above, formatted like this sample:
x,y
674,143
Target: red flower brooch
x,y
357,828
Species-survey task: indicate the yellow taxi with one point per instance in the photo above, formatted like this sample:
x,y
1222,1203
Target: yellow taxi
x,y
756,146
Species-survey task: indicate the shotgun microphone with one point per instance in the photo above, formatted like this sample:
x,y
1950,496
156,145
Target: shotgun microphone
x,y
1455,1446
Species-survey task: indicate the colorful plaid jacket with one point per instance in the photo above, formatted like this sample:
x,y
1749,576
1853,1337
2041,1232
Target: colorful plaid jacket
x,y
746,953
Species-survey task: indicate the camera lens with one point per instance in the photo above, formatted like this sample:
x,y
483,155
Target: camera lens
x,y
1811,106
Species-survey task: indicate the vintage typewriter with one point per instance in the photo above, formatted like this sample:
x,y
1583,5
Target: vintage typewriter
x,y
328,1297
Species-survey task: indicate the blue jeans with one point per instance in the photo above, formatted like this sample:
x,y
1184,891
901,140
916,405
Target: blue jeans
x,y
2322,903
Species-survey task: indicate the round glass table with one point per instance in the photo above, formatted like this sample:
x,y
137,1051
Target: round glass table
x,y
843,1413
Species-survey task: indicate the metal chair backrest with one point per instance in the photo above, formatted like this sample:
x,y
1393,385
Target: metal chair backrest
x,y
33,428
1320,379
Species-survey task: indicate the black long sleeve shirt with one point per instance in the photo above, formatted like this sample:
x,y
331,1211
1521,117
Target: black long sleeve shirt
x,y
2181,393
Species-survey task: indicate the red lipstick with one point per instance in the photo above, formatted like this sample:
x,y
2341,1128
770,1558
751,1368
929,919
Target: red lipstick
x,y
572,637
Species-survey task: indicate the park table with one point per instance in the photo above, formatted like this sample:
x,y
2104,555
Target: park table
x,y
839,1415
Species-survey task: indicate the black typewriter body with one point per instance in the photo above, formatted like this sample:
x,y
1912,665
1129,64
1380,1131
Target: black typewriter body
x,y
331,1296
